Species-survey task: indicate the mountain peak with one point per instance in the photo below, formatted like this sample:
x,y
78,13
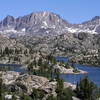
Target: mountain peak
x,y
95,18
40,20
8,21
47,22
35,22
44,15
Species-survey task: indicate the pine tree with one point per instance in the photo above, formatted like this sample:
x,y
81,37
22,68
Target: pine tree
x,y
0,88
87,90
60,87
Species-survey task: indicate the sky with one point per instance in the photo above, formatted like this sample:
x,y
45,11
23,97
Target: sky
x,y
74,11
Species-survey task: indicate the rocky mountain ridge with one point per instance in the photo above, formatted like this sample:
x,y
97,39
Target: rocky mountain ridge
x,y
45,23
39,22
47,32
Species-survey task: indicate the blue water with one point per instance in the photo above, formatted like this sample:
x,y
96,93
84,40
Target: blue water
x,y
65,59
93,73
14,67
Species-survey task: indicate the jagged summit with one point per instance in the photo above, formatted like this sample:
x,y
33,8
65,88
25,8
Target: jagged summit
x,y
9,21
40,20
92,25
36,22
46,23
95,18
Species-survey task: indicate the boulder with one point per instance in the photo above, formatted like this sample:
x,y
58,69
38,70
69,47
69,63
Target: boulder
x,y
9,77
38,82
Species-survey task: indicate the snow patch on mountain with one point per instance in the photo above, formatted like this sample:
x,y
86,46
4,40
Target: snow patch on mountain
x,y
45,23
78,30
23,30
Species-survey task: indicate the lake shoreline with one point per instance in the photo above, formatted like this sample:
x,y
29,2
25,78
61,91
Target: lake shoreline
x,y
82,72
78,62
92,72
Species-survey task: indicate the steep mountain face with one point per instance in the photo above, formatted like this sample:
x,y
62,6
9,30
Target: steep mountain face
x,y
46,23
39,22
8,21
92,25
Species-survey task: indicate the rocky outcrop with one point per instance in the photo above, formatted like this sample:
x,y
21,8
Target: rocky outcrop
x,y
25,82
38,82
8,21
9,77
75,98
70,70
92,25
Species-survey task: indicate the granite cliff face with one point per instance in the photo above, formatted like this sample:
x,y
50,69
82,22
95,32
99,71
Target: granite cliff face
x,y
46,23
92,25
34,23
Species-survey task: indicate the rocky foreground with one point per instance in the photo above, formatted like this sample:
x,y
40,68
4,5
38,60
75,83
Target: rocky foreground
x,y
17,81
